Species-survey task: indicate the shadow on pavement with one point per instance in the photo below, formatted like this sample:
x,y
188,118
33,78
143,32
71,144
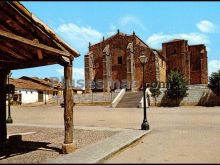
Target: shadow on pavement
x,y
11,149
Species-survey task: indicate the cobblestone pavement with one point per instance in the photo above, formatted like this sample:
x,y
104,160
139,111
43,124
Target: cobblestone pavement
x,y
179,135
40,144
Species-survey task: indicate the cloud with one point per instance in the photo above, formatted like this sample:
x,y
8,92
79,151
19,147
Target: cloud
x,y
208,49
126,24
79,36
78,73
157,39
206,26
213,66
129,20
60,71
113,30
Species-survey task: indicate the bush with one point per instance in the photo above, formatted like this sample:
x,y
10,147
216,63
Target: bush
x,y
177,87
214,82
155,90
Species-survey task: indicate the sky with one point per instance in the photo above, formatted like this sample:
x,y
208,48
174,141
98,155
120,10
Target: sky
x,y
79,23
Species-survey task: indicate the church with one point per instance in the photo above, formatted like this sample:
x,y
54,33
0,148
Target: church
x,y
114,63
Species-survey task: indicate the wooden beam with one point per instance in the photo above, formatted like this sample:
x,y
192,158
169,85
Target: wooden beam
x,y
19,49
34,44
68,107
68,145
39,52
37,24
11,52
28,26
3,127
8,22
10,66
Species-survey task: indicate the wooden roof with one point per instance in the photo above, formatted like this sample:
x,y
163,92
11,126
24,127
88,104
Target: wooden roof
x,y
27,42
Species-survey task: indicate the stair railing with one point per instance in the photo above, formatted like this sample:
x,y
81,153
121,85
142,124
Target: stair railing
x,y
141,103
118,98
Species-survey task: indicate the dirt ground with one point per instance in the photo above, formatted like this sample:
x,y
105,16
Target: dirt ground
x,y
187,134
40,144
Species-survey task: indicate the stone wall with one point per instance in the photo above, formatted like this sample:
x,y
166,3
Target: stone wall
x,y
176,55
197,95
190,60
95,97
123,63
198,64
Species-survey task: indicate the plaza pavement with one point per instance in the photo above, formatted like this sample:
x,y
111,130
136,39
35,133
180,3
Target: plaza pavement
x,y
179,135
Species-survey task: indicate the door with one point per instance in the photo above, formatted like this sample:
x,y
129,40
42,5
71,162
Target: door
x,y
40,96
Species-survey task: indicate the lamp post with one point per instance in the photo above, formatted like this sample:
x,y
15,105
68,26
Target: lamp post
x,y
9,119
143,59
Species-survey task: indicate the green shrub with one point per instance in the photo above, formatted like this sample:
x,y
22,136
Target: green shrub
x,y
177,86
155,90
214,82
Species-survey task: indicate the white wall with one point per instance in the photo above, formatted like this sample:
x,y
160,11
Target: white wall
x,y
31,96
48,96
28,97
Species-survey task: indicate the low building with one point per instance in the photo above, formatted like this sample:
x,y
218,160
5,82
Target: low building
x,y
29,91
78,90
49,83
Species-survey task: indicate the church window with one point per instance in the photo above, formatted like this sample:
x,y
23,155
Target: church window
x,y
120,60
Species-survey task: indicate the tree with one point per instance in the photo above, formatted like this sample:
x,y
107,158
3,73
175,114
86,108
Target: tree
x,y
214,82
155,90
177,87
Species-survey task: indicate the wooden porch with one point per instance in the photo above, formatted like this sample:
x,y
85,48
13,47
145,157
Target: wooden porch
x,y
26,42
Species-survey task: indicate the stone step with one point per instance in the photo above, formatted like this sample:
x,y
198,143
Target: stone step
x,y
130,99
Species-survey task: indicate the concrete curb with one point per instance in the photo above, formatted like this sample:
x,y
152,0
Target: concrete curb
x,y
75,127
97,152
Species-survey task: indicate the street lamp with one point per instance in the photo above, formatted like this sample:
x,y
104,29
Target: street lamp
x,y
9,119
143,59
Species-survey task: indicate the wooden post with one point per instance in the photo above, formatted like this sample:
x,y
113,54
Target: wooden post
x,y
69,145
3,127
45,97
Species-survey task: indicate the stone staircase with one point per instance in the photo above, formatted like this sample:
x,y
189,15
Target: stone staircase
x,y
130,100
195,94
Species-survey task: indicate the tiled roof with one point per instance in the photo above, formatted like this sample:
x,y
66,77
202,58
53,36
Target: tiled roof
x,y
120,33
27,84
42,81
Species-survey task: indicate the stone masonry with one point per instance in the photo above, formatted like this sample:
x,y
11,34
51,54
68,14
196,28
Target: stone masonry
x,y
190,60
113,63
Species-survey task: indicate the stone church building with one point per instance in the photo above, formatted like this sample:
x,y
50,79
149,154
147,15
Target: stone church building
x,y
190,60
114,62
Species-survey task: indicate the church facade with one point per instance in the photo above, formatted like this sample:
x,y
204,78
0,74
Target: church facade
x,y
190,60
113,63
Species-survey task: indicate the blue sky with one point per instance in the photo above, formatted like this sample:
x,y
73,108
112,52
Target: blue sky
x,y
79,23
